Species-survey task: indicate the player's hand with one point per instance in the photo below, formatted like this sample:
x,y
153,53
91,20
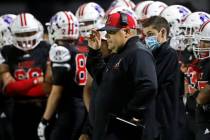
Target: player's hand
x,y
84,137
42,129
38,80
183,68
94,41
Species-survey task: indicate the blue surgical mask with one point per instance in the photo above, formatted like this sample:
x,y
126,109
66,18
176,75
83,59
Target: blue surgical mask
x,y
152,42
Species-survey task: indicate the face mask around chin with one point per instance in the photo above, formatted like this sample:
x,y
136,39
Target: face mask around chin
x,y
152,42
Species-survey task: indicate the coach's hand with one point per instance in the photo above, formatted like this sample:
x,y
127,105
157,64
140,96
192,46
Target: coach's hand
x,y
84,137
94,41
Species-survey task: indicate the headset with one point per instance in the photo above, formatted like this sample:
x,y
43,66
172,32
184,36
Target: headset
x,y
123,19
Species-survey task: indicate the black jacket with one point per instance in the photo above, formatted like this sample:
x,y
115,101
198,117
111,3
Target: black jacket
x,y
127,82
168,87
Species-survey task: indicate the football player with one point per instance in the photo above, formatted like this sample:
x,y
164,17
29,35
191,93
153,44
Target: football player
x,y
175,14
202,79
69,76
24,72
6,103
192,70
90,16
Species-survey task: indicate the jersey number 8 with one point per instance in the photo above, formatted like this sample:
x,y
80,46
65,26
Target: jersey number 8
x,y
81,71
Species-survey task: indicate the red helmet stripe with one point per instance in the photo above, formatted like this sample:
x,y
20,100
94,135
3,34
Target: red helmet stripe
x,y
82,9
25,19
185,18
68,22
162,10
145,10
21,20
203,26
72,24
127,3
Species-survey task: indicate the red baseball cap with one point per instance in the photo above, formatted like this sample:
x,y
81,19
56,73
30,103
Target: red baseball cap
x,y
116,21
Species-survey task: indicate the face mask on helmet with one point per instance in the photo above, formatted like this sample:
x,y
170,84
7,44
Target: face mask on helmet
x,y
90,16
87,26
177,44
190,27
26,39
27,32
63,26
202,49
185,37
175,14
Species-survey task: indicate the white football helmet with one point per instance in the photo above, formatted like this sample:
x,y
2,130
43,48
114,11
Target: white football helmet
x,y
120,9
122,3
192,23
139,10
27,31
140,7
63,25
5,32
190,26
154,9
202,50
175,14
90,16
9,18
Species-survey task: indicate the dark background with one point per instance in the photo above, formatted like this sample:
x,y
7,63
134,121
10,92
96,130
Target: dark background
x,y
44,9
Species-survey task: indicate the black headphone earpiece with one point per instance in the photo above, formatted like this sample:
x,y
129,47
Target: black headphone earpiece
x,y
123,19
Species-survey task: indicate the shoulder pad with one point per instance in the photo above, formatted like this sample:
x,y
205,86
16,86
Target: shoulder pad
x,y
59,54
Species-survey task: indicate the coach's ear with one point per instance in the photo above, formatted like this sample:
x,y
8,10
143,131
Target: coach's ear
x,y
126,32
163,32
162,35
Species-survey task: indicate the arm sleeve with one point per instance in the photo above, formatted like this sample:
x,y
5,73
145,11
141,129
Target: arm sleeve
x,y
59,72
95,64
36,91
142,72
19,87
